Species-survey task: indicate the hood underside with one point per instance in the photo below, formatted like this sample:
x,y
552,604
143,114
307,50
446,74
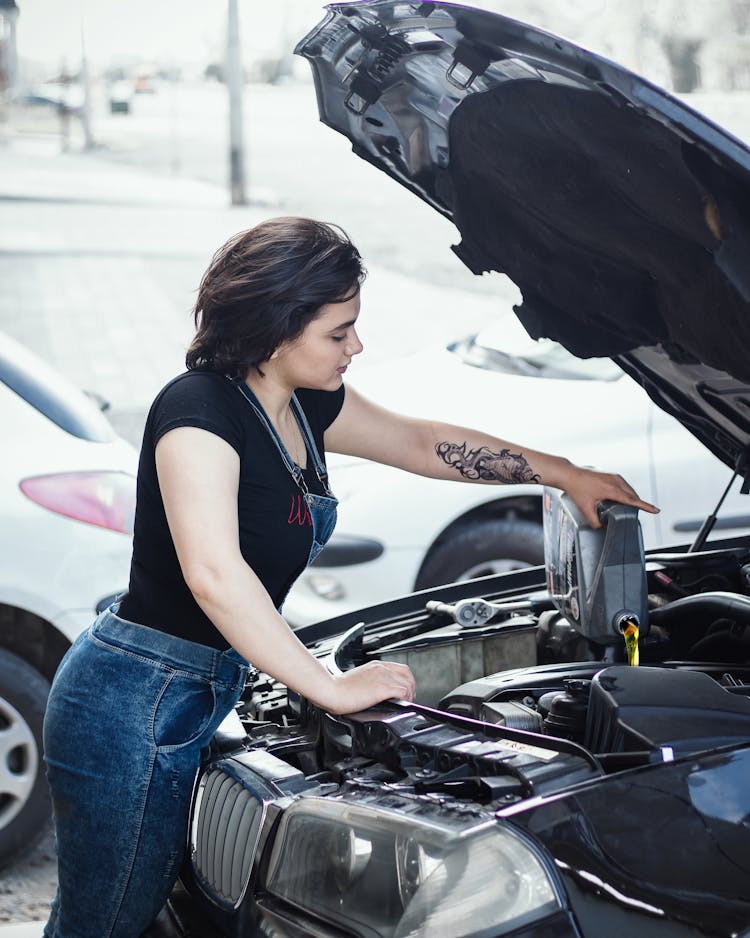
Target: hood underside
x,y
622,215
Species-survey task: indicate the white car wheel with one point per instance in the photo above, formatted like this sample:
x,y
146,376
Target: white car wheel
x,y
493,566
24,800
492,545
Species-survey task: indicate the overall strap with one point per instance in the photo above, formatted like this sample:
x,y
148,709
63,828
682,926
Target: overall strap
x,y
292,467
312,449
307,436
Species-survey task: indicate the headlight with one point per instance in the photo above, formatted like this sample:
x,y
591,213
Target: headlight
x,y
375,872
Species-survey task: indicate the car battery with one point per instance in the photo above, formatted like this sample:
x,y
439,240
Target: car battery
x,y
596,576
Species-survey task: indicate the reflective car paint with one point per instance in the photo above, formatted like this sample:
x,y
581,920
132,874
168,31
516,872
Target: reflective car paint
x,y
666,843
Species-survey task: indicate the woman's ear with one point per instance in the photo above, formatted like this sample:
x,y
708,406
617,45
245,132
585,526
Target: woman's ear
x,y
274,354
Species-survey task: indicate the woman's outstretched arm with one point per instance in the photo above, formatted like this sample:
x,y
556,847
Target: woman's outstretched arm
x,y
445,451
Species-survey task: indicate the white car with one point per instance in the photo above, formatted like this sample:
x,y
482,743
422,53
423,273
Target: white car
x,y
67,499
398,532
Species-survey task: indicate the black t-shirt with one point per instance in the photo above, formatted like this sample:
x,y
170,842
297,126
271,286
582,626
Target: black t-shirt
x,y
275,528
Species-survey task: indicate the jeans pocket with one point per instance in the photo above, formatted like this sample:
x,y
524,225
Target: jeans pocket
x,y
185,710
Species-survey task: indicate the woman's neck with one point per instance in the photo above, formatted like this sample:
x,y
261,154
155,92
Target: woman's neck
x,y
273,394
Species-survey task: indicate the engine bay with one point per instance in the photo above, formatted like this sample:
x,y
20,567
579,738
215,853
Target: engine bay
x,y
518,701
517,696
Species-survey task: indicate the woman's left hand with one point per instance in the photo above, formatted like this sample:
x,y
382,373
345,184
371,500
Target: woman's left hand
x,y
588,488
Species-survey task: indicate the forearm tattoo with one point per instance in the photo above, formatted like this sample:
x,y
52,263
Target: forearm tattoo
x,y
483,464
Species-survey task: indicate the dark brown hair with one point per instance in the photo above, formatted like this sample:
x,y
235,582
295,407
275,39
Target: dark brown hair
x,y
264,286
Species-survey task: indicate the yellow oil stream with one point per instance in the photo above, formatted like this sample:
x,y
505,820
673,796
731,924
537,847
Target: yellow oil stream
x,y
630,634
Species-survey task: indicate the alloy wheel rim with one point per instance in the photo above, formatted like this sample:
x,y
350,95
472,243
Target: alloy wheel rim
x,y
19,761
488,567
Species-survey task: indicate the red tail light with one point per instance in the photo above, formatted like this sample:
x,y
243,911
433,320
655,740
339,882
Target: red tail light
x,y
106,499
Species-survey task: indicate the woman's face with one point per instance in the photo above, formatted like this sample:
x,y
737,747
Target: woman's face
x,y
321,355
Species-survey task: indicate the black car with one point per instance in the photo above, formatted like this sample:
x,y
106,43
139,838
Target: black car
x,y
578,759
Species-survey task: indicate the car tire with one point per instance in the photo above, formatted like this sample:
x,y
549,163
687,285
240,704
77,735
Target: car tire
x,y
493,545
24,798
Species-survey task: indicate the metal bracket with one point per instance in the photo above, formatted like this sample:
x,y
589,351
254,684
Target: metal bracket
x,y
469,59
363,92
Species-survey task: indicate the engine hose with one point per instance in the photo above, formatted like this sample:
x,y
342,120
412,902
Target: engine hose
x,y
702,607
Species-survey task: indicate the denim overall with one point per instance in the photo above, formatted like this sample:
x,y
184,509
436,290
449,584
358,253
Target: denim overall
x,y
130,714
322,507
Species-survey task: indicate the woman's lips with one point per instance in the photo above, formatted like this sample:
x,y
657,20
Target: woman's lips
x,y
342,369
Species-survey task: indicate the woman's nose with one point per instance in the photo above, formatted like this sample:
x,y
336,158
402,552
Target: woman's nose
x,y
354,344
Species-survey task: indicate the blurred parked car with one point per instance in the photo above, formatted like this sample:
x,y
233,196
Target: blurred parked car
x,y
121,96
67,498
398,532
144,84
65,97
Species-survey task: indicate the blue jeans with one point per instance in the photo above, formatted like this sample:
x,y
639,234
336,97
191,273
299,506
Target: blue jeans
x,y
130,711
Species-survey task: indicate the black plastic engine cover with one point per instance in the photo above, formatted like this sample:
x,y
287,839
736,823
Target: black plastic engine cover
x,y
635,709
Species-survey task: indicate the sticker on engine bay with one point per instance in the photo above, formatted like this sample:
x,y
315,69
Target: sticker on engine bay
x,y
527,750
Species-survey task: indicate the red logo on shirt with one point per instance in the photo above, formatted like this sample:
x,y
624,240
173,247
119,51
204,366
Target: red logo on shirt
x,y
298,511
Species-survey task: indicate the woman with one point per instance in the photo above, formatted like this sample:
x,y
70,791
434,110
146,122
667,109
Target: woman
x,y
233,503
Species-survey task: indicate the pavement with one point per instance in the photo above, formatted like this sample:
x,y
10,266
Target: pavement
x,y
99,262
23,930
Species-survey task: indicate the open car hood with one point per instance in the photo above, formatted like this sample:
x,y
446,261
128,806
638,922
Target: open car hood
x,y
621,214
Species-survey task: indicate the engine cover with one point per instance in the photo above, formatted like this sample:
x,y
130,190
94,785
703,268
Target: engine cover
x,y
636,709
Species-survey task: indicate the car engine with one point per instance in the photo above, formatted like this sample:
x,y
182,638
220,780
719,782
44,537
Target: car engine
x,y
526,693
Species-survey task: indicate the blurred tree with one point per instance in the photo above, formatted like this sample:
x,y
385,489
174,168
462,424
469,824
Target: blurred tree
x,y
739,66
682,53
215,70
675,43
741,16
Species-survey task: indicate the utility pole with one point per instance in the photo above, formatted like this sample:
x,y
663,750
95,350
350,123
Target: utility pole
x,y
8,50
234,84
88,139
8,61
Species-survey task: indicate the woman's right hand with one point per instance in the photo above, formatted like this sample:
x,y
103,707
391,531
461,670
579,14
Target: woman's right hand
x,y
371,683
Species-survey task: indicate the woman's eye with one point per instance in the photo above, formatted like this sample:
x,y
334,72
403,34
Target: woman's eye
x,y
338,338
